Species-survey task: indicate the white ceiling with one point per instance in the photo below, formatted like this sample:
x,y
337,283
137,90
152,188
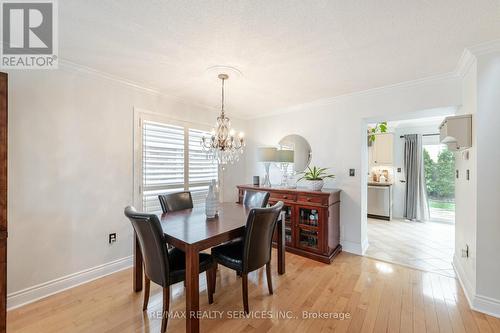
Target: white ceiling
x,y
290,52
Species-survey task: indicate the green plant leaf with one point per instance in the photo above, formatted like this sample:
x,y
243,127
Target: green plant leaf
x,y
315,173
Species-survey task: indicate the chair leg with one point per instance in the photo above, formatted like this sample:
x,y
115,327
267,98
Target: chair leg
x,y
245,292
147,284
166,305
269,280
215,277
210,283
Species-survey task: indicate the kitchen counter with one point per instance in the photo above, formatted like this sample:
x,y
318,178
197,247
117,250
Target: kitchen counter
x,y
371,183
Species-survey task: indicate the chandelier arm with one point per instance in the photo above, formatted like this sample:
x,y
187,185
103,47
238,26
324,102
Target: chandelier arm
x,y
223,147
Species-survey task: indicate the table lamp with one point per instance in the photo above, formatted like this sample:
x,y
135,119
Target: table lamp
x,y
267,155
284,157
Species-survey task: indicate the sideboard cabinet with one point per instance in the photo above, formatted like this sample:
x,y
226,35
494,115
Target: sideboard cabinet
x,y
312,220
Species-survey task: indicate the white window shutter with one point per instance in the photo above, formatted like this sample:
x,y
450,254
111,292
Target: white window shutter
x,y
162,162
201,169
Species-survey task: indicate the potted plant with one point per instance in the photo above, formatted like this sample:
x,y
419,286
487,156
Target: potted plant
x,y
379,128
315,177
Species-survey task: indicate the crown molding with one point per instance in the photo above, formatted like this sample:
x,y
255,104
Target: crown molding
x,y
470,54
369,92
68,65
465,63
485,48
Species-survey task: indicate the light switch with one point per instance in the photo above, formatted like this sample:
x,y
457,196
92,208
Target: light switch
x,y
351,172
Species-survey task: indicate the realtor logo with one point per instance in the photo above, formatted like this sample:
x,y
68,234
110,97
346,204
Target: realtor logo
x,y
29,34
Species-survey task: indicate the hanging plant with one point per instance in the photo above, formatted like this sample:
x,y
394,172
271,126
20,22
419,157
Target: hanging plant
x,y
372,131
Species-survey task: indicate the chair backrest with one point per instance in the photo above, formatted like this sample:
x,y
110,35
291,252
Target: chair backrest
x,y
260,226
176,201
255,199
152,243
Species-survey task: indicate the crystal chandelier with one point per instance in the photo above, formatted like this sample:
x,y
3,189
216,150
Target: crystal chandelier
x,y
222,145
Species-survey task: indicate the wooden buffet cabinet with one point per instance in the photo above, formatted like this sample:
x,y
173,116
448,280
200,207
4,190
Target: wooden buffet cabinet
x,y
312,220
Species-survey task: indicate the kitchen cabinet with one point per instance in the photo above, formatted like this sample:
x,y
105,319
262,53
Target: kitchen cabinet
x,y
456,132
382,150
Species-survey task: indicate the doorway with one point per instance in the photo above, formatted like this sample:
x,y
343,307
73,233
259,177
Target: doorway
x,y
427,243
439,170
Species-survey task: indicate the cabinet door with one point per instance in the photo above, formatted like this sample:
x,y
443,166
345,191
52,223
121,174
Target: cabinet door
x,y
309,239
289,225
309,228
383,149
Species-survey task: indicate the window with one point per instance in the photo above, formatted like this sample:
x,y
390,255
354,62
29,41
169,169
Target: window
x,y
439,171
171,160
201,170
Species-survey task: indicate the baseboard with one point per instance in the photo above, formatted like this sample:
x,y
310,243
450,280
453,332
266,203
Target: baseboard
x,y
34,293
467,286
355,248
487,305
364,246
480,303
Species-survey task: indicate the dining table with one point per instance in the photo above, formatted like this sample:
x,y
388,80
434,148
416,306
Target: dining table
x,y
191,231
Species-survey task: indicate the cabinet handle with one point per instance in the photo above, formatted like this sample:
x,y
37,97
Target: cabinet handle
x,y
285,197
309,199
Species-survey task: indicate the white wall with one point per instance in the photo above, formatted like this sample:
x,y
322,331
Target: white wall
x,y
477,200
70,171
488,177
336,130
465,191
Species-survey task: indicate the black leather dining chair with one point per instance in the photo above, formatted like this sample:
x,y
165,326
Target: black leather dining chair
x,y
176,201
255,199
163,266
254,250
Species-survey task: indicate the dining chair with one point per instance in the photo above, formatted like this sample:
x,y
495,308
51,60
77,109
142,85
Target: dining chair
x,y
163,266
255,199
254,250
176,201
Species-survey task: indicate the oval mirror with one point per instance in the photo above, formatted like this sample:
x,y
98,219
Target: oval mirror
x,y
301,148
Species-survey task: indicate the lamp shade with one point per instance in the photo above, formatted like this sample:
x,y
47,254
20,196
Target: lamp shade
x,y
266,154
284,156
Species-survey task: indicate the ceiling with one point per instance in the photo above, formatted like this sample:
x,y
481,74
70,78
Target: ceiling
x,y
290,52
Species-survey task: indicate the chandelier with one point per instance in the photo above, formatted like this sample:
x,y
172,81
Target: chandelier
x,y
222,145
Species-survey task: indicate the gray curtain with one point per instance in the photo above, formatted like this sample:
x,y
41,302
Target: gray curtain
x,y
416,206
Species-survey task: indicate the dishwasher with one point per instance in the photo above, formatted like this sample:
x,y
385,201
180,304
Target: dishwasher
x,y
380,202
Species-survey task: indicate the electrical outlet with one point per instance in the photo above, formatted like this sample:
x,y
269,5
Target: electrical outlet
x,y
467,174
112,238
399,169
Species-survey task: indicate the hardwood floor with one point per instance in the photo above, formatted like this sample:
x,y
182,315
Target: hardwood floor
x,y
380,297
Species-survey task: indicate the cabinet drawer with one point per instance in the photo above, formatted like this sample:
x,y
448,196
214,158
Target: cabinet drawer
x,y
283,196
317,199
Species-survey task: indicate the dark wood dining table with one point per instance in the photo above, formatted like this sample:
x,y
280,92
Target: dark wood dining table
x,y
191,231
